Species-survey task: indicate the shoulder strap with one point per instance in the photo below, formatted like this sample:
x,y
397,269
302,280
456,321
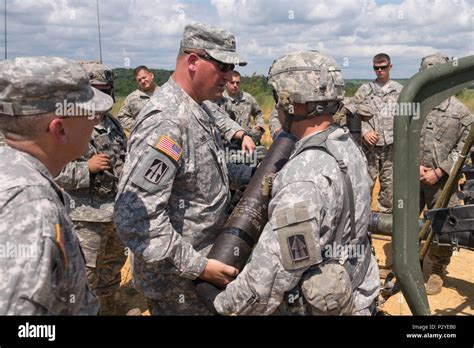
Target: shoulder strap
x,y
348,202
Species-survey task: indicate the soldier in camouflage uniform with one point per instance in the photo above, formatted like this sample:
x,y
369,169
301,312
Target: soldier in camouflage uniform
x,y
174,190
241,106
318,208
47,112
92,182
377,134
136,100
444,132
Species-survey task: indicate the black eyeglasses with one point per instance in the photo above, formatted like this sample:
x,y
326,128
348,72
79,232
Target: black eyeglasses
x,y
223,67
380,67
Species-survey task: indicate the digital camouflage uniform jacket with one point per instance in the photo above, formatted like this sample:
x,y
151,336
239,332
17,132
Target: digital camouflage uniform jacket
x,y
383,98
174,189
444,132
311,182
131,107
241,108
42,270
94,194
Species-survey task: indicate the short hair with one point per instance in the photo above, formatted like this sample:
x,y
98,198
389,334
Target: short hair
x,y
236,73
25,127
140,68
381,57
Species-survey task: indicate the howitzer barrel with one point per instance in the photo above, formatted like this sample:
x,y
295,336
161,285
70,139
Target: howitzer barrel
x,y
246,223
244,226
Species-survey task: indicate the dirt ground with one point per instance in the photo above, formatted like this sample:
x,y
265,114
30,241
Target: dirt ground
x,y
456,298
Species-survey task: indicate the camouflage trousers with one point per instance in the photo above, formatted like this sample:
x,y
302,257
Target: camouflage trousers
x,y
380,162
440,255
177,296
104,253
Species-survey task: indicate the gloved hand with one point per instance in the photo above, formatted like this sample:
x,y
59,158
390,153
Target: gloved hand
x,y
256,133
341,115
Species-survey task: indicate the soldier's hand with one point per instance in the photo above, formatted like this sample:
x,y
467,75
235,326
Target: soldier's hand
x,y
371,138
98,163
423,169
248,145
218,273
430,177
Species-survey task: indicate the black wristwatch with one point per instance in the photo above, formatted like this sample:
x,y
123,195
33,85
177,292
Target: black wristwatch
x,y
246,134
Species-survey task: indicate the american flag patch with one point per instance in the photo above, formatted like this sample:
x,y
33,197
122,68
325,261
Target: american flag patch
x,y
169,147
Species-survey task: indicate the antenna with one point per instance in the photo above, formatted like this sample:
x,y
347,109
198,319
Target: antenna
x,y
5,2
98,26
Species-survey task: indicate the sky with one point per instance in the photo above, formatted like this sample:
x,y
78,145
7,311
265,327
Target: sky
x,y
136,32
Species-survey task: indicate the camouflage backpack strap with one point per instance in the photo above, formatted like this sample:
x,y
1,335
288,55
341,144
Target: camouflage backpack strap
x,y
319,142
355,269
117,125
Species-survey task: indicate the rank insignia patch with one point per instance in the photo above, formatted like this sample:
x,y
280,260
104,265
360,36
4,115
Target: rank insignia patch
x,y
169,147
156,171
298,247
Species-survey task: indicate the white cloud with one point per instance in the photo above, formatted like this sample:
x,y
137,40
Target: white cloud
x,y
148,31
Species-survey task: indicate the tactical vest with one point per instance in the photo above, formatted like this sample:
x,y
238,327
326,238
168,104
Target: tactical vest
x,y
112,143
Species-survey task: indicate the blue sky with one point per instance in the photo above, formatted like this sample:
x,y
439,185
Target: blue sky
x,y
136,32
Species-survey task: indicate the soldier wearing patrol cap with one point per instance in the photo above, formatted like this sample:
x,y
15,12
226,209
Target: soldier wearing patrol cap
x,y
47,113
444,132
92,181
174,190
314,255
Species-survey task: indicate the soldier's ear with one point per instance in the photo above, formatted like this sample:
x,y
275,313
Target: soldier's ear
x,y
191,60
57,130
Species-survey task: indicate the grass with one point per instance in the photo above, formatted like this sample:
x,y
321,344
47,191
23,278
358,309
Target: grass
x,y
117,105
467,97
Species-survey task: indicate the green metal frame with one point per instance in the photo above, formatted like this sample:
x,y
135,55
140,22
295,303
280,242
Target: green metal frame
x,y
428,88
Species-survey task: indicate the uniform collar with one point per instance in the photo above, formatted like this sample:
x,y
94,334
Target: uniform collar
x,y
197,109
444,104
240,96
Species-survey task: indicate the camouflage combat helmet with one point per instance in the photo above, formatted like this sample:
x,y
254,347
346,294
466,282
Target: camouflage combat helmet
x,y
433,59
307,77
99,74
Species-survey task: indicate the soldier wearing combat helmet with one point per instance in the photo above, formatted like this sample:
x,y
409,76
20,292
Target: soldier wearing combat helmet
x,y
444,132
315,244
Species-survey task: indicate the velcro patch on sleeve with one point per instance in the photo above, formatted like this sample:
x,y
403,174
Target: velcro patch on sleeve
x,y
169,147
154,172
295,232
60,241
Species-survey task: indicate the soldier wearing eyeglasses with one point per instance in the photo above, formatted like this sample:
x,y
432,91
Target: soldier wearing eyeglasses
x,y
377,133
174,191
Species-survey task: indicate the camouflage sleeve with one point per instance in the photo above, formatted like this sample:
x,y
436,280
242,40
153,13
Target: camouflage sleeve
x,y
125,115
42,285
358,97
366,127
74,176
274,123
257,114
259,289
466,121
224,123
143,204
